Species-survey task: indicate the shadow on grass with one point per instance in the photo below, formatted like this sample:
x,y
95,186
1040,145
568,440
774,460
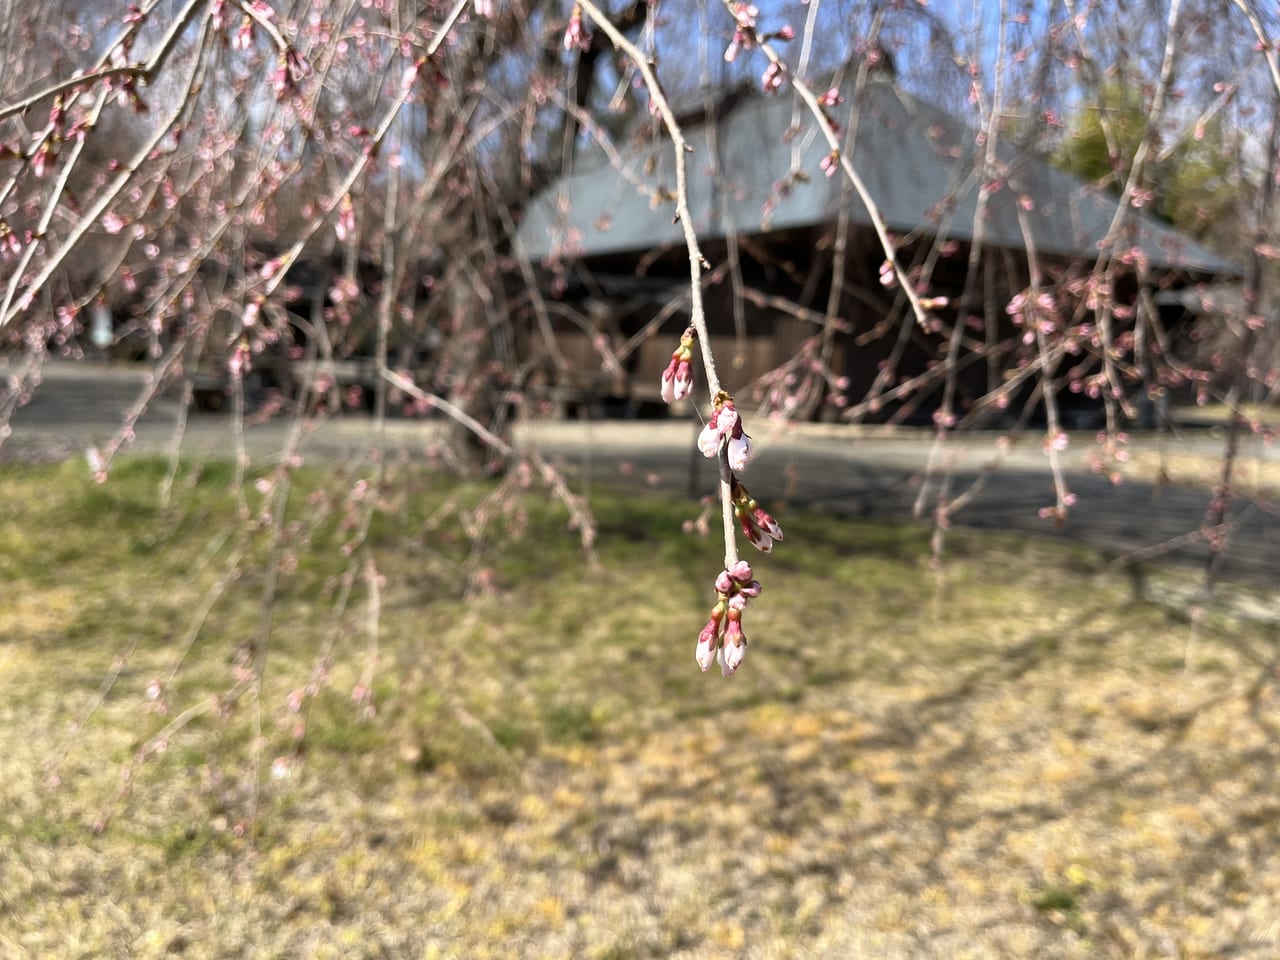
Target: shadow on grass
x,y
1011,756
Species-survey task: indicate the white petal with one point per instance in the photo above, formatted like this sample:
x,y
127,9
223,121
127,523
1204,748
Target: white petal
x,y
709,440
730,658
684,386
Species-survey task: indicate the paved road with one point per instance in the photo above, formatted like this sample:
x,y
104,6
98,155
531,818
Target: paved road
x,y
842,469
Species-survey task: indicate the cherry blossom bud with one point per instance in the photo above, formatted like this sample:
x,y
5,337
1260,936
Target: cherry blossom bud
x,y
677,378
243,39
705,651
735,645
710,438
755,536
40,162
576,35
724,582
346,223
739,452
668,388
766,522
772,78
238,364
740,571
683,380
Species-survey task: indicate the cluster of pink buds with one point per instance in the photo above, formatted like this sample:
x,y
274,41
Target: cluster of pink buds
x,y
243,39
577,35
758,526
677,379
745,17
722,639
772,78
724,425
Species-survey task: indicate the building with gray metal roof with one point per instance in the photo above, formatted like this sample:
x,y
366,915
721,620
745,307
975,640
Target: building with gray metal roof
x,y
917,161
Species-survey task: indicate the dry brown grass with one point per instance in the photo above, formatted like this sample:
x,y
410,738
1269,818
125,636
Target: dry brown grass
x,y
1013,759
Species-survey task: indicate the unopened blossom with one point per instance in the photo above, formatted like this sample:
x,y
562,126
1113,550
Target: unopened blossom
x,y
830,163
888,275
758,526
725,425
734,646
709,639
677,378
720,425
40,162
744,33
771,80
722,640
576,34
238,364
345,225
739,451
243,39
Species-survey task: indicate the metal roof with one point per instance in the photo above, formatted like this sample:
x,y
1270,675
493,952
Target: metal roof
x,y
917,161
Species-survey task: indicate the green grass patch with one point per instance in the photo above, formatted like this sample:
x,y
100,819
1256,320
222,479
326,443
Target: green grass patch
x,y
523,759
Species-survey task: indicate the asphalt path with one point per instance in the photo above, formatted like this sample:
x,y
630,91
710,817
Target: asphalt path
x,y
847,470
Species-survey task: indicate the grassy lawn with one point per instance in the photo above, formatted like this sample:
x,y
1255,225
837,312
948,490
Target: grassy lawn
x,y
1012,757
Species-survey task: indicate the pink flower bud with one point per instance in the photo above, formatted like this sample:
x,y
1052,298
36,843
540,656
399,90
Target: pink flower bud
x,y
724,583
576,34
755,536
766,523
740,571
771,80
739,452
705,651
728,423
345,225
710,438
683,380
734,648
243,39
668,387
